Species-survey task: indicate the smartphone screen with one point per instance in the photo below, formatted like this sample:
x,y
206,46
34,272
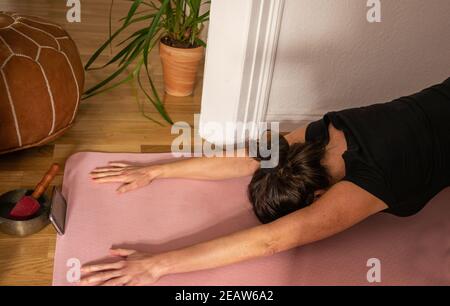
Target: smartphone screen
x,y
58,211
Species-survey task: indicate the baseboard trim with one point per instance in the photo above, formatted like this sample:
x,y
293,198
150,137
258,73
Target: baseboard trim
x,y
290,122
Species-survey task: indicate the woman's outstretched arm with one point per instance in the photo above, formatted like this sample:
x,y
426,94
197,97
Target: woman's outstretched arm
x,y
218,168
343,206
203,168
211,168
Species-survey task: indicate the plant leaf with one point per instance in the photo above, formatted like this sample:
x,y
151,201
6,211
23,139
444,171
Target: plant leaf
x,y
132,11
153,28
157,104
115,74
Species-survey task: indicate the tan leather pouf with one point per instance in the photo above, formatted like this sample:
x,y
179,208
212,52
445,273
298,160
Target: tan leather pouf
x,y
41,81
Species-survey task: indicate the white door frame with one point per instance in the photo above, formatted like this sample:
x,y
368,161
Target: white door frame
x,y
240,58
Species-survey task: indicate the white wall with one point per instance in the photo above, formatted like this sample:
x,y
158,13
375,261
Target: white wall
x,y
329,57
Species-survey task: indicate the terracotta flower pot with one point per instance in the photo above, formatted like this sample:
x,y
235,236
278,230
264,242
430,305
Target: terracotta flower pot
x,y
180,67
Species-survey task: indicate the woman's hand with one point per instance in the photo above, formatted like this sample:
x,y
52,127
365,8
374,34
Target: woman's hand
x,y
132,177
135,269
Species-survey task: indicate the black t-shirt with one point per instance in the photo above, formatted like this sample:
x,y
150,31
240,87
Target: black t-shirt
x,y
397,151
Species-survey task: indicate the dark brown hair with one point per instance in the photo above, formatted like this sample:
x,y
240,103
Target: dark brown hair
x,y
290,186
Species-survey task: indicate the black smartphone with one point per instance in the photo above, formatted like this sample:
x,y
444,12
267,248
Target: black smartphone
x,y
58,211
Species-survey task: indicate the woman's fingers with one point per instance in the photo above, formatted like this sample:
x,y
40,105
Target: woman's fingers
x,y
105,174
120,165
102,267
128,187
122,252
106,169
133,283
101,277
120,281
112,167
112,179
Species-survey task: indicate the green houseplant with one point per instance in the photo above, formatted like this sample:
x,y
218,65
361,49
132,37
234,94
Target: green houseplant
x,y
172,24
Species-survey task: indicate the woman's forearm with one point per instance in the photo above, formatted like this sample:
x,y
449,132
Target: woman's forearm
x,y
241,246
133,177
214,168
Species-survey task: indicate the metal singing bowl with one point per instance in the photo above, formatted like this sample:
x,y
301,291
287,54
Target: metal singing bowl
x,y
22,227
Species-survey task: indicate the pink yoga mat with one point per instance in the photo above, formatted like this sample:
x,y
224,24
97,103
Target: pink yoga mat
x,y
170,214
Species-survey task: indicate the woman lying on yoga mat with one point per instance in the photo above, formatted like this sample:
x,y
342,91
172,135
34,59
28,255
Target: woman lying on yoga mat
x,y
336,172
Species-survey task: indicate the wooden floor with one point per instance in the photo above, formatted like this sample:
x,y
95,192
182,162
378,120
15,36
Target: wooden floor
x,y
111,122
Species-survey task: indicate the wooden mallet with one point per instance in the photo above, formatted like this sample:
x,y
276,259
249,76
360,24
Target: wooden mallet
x,y
29,205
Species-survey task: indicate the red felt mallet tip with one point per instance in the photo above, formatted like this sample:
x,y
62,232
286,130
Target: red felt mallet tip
x,y
25,208
29,205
